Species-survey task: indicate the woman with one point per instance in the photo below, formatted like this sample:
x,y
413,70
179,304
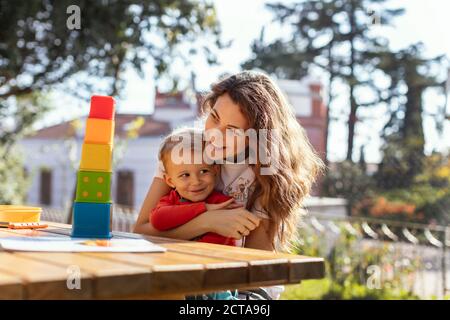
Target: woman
x,y
271,202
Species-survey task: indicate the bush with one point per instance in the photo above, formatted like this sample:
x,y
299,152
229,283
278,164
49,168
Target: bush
x,y
13,179
426,200
348,180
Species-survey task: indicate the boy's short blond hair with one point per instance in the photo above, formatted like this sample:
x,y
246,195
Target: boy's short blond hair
x,y
189,138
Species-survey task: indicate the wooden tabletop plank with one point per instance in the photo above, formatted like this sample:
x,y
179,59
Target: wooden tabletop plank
x,y
261,261
264,267
11,287
112,279
43,280
172,271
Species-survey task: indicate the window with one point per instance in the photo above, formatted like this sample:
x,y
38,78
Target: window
x,y
125,188
45,194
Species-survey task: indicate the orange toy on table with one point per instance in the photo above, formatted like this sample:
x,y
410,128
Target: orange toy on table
x,y
20,217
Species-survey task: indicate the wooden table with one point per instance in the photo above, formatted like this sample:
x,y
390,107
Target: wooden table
x,y
186,267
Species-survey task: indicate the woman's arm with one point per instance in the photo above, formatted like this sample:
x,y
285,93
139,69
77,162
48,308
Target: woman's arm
x,y
228,222
259,237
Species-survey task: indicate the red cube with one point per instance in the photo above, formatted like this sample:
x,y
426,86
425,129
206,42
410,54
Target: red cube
x,y
102,107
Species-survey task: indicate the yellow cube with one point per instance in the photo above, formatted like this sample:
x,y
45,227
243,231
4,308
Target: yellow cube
x,y
99,131
96,157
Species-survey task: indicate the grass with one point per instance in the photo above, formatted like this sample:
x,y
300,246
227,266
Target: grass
x,y
325,289
307,290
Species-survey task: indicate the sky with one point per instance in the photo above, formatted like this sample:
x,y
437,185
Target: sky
x,y
241,22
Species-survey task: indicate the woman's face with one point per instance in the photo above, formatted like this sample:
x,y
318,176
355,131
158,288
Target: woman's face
x,y
225,129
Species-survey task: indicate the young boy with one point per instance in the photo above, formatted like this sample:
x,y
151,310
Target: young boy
x,y
193,181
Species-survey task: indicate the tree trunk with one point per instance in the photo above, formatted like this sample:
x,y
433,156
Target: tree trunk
x,y
353,104
330,98
351,124
412,132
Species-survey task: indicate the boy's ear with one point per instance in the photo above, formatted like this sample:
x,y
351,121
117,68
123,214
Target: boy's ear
x,y
168,180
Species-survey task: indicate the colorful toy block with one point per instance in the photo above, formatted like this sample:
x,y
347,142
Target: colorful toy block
x,y
102,107
100,131
92,220
93,186
92,210
96,157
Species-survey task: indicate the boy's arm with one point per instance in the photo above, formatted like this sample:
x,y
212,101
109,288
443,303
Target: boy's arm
x,y
217,197
167,215
158,188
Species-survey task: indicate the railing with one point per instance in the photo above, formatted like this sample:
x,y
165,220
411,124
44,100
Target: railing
x,y
427,242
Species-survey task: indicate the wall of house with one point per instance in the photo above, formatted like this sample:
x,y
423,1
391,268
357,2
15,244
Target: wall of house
x,y
306,98
54,155
140,157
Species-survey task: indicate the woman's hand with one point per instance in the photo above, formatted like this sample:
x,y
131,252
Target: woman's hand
x,y
232,223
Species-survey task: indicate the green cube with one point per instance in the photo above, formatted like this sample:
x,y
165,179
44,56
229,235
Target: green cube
x,y
93,186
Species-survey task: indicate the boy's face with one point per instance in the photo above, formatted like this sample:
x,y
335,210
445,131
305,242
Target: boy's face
x,y
193,182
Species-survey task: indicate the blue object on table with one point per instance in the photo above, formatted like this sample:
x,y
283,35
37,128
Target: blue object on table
x,y
91,220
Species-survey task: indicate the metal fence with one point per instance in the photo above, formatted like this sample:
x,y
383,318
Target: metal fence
x,y
425,246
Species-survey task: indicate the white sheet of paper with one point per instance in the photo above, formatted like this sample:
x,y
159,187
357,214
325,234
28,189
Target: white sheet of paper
x,y
47,244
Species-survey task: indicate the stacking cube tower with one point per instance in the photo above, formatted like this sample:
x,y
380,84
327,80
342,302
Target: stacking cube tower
x,y
92,210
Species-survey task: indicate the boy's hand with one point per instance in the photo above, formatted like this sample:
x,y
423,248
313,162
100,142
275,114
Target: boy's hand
x,y
229,204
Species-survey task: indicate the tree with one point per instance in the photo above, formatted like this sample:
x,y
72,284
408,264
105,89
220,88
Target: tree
x,y
410,76
40,53
333,36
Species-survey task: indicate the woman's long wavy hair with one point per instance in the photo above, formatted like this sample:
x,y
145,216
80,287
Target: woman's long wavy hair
x,y
297,166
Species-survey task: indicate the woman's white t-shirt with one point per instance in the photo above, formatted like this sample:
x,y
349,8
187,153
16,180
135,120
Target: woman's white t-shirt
x,y
236,180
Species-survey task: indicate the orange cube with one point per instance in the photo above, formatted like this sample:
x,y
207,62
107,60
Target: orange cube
x,y
100,131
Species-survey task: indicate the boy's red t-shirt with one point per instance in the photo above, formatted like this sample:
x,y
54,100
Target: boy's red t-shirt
x,y
173,211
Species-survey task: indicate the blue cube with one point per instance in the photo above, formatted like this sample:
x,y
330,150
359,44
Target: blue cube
x,y
91,220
